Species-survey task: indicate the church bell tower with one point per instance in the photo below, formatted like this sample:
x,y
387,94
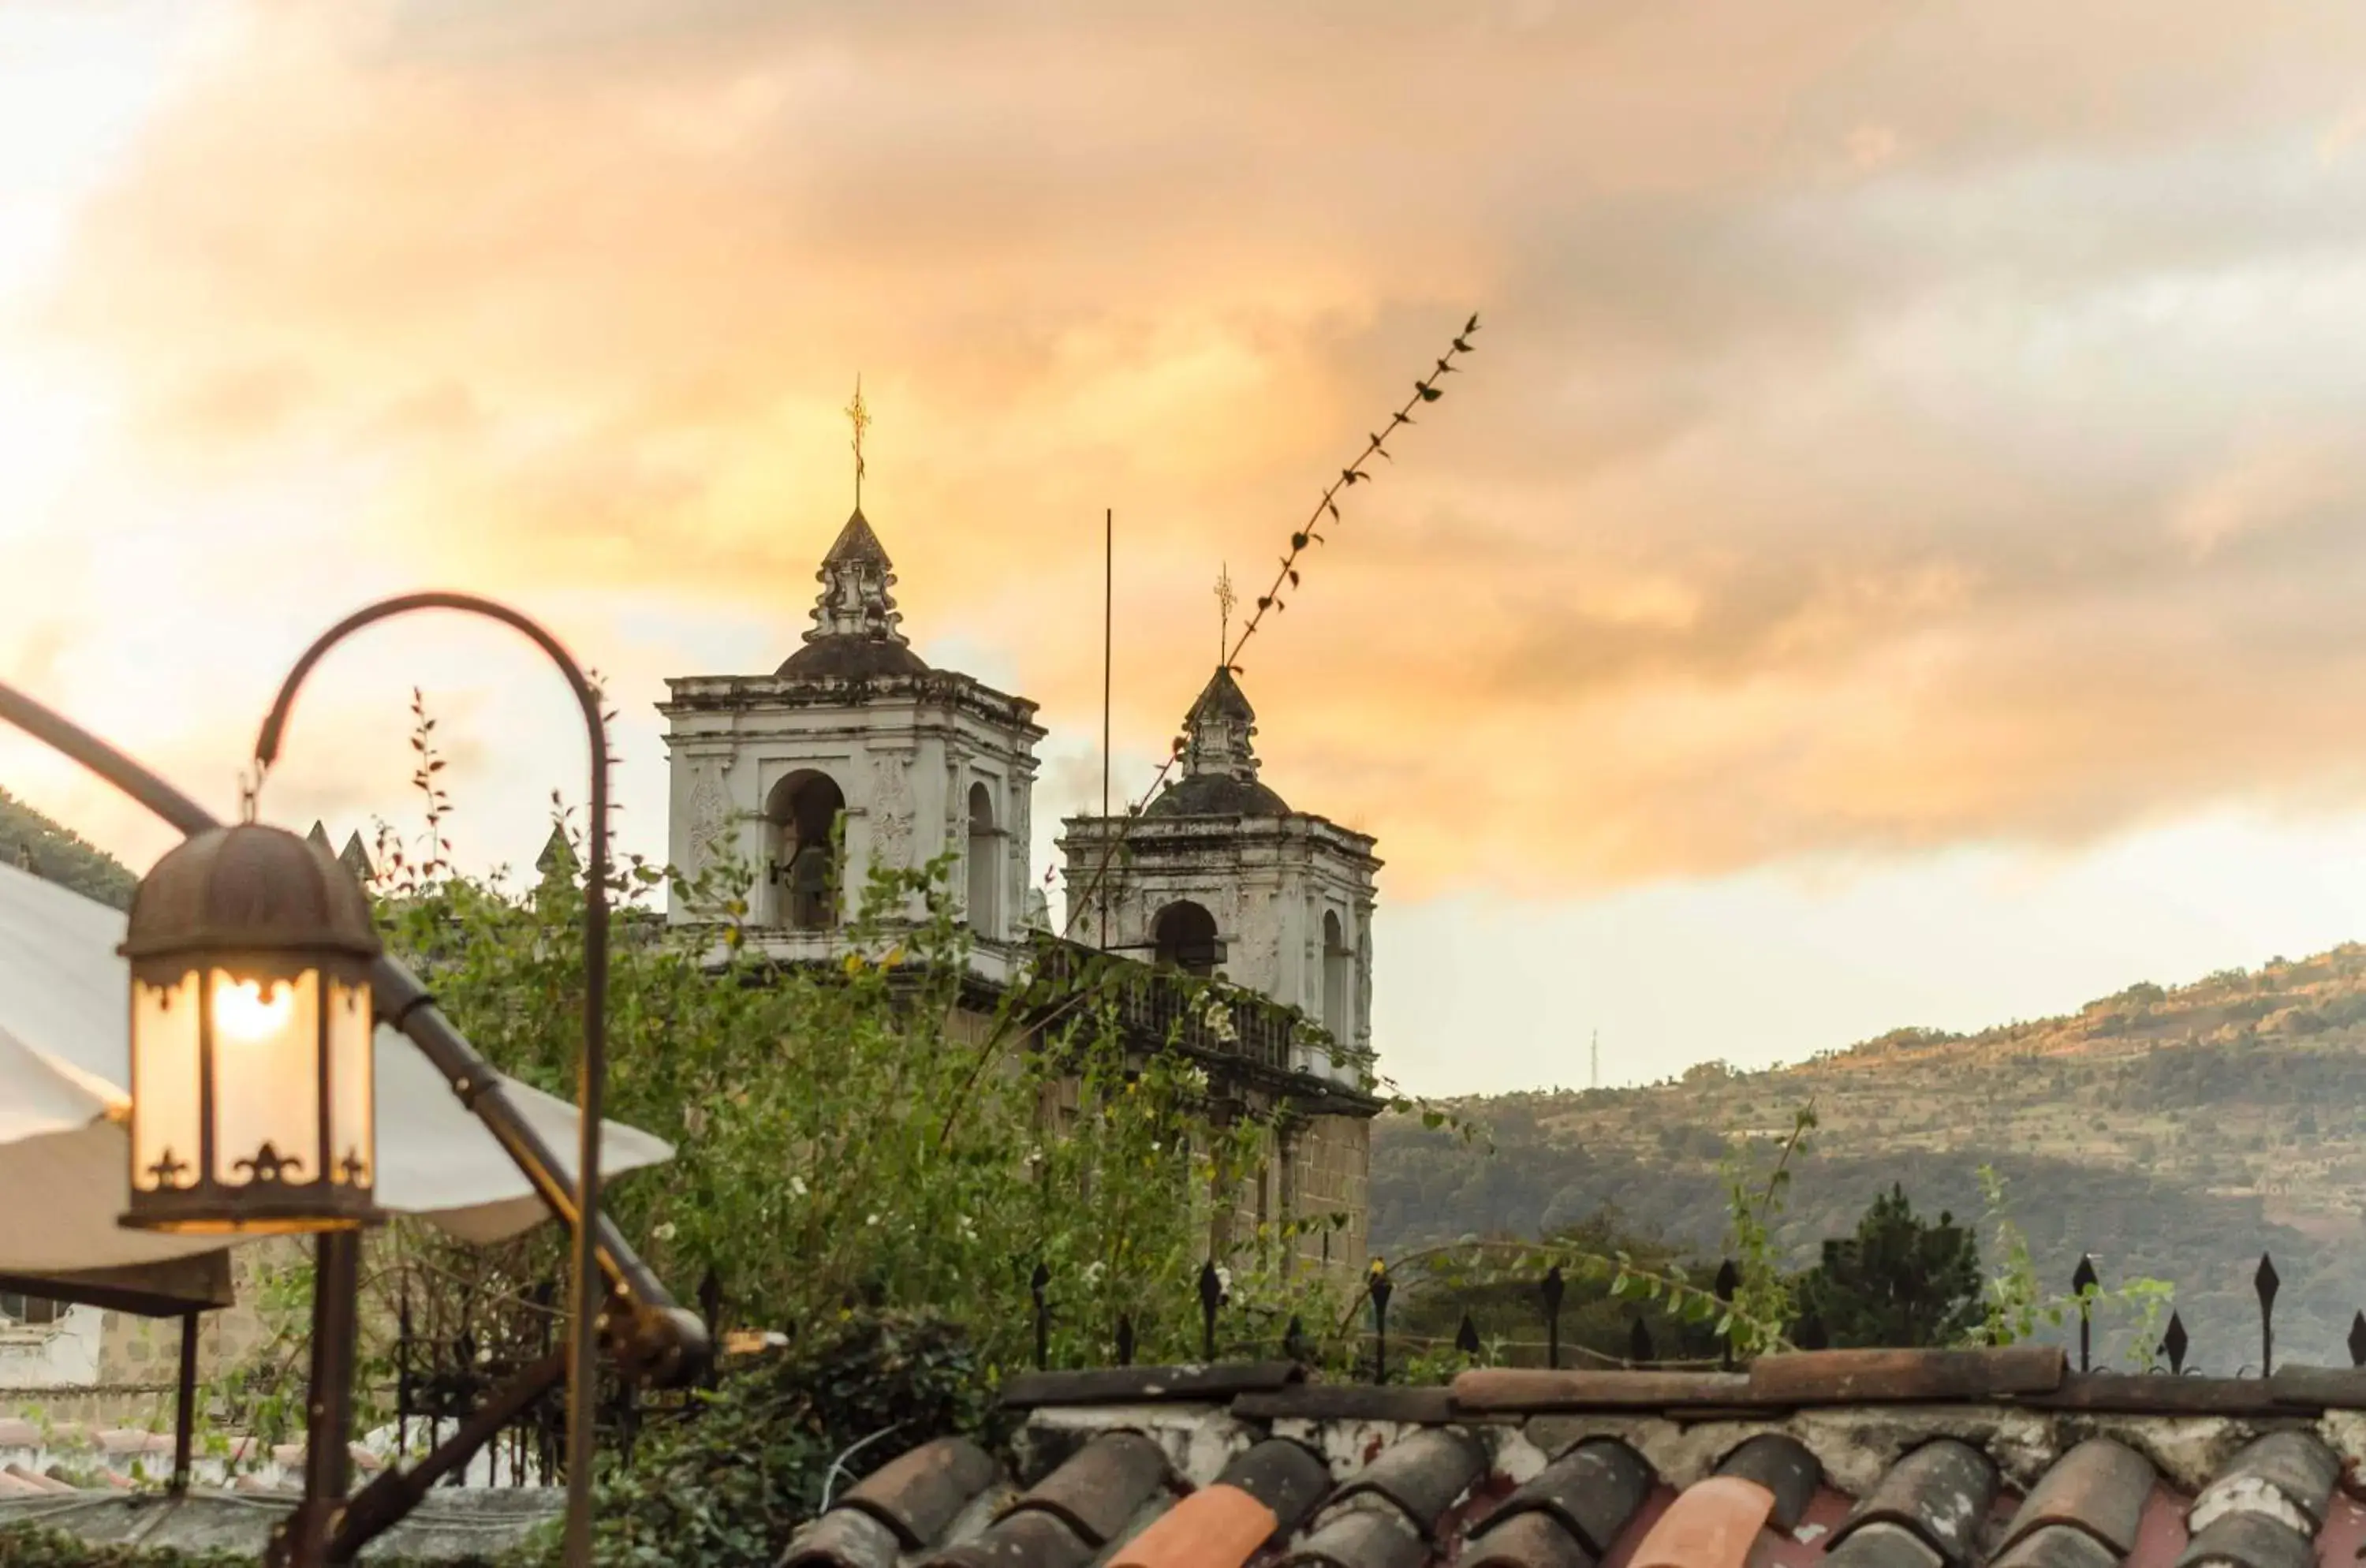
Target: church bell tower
x,y
1218,876
853,755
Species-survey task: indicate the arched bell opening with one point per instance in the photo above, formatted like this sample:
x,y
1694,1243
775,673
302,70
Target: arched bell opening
x,y
1183,936
803,811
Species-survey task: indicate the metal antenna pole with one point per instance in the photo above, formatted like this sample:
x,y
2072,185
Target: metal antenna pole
x,y
1108,642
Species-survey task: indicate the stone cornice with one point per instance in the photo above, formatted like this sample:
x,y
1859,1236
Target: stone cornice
x,y
691,695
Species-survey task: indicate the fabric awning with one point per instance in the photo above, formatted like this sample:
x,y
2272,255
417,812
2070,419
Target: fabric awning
x,y
65,1058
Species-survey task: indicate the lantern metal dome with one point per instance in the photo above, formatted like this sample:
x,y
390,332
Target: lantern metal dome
x,y
252,1068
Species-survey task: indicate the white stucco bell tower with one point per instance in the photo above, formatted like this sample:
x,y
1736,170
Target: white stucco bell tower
x,y
1218,876
854,754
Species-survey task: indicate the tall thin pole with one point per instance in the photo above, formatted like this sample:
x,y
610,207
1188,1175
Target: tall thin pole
x,y
1108,622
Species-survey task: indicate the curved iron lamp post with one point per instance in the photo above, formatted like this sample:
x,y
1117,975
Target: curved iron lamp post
x,y
581,1345
653,1339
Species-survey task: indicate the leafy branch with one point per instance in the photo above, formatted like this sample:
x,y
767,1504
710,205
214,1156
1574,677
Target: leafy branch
x,y
1286,580
1625,1277
1763,1294
2014,1305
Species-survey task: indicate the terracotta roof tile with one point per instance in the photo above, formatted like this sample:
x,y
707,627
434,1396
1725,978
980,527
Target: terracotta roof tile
x,y
920,1493
1715,1524
2288,1475
2099,1487
2059,1546
1848,1377
1884,1545
1940,1493
1559,1473
1032,1539
1591,1491
1783,1466
1288,1478
1099,1491
1530,1388
843,1538
1422,1474
1349,1401
1373,1537
2249,1540
1527,1541
1216,1526
1147,1386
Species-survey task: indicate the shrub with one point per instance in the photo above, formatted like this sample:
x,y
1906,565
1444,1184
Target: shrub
x,y
730,1485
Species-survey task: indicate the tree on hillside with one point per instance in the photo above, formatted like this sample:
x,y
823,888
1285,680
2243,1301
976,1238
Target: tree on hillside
x,y
1900,1280
59,854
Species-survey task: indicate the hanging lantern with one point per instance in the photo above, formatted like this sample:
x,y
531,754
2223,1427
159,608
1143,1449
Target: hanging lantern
x,y
251,1039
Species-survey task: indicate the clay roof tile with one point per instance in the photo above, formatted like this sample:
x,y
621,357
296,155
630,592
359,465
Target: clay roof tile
x,y
2099,1487
1940,1492
1593,1491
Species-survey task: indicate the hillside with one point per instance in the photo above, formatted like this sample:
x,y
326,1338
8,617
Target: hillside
x,y
2175,1134
30,839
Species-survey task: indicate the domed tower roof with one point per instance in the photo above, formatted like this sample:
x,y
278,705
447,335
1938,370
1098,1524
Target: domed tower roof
x,y
855,620
1220,764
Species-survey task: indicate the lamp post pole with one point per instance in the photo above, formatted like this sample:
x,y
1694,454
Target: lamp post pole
x,y
584,1304
328,1401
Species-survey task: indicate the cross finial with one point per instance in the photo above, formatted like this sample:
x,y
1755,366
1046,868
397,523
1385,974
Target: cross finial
x,y
858,417
1225,602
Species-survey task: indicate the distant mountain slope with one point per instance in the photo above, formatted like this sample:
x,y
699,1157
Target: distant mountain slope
x,y
2175,1134
60,855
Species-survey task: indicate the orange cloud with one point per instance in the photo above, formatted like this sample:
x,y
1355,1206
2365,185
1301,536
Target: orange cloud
x,y
1794,506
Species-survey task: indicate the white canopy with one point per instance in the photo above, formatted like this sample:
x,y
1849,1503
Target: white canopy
x,y
65,1058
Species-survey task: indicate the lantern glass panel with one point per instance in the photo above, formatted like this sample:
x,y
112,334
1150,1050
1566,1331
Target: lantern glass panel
x,y
267,1060
165,1095
353,1133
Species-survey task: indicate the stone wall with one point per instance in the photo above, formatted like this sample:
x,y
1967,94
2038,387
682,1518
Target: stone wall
x,y
147,1350
1328,1170
114,1369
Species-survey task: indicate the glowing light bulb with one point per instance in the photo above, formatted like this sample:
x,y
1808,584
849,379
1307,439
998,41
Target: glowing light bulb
x,y
241,1011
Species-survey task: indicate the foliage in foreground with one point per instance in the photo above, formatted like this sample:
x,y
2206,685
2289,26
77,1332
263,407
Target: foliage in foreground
x,y
852,1136
730,1485
37,1546
40,1546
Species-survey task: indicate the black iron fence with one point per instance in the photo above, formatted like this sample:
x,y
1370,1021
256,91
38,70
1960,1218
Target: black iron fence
x,y
439,1380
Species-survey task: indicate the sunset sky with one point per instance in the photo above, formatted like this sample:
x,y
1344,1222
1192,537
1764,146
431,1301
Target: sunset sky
x,y
1895,556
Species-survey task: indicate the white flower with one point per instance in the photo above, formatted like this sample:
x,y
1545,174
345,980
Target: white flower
x,y
797,1186
663,1232
1093,1272
871,1219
